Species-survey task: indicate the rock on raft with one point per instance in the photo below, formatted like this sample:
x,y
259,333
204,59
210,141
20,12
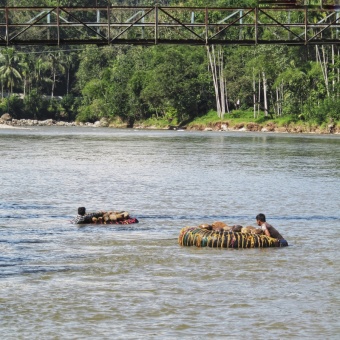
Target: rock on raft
x,y
114,217
195,236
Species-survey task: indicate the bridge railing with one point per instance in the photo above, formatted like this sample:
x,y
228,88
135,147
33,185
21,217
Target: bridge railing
x,y
295,25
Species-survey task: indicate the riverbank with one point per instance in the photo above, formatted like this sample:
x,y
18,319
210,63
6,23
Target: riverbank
x,y
21,123
237,125
227,125
268,127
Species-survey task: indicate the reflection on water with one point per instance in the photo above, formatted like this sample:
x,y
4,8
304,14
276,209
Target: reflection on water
x,y
58,280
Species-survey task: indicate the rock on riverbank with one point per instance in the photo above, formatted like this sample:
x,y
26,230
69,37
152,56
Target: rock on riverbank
x,y
7,121
268,127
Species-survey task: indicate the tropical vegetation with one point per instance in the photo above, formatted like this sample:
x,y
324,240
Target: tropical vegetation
x,y
168,84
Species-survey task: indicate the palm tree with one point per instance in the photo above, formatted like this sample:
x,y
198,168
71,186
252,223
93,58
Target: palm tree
x,y
9,63
56,66
39,77
68,60
26,65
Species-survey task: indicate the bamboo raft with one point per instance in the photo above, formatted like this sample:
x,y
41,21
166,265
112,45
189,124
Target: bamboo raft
x,y
195,236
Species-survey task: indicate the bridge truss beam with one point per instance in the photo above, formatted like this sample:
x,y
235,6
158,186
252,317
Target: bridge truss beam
x,y
152,25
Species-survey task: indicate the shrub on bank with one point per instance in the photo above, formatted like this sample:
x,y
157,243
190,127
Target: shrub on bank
x,y
34,106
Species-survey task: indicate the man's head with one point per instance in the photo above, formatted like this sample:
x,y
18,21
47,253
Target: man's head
x,y
260,218
81,211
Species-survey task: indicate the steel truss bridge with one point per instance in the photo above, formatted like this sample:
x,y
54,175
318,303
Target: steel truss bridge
x,y
152,25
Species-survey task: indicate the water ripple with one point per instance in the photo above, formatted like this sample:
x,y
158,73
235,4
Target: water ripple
x,y
58,280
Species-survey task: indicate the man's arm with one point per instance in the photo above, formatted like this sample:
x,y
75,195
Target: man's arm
x,y
265,229
267,233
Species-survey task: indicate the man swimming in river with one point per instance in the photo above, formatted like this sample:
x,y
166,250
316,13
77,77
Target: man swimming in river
x,y
269,230
83,218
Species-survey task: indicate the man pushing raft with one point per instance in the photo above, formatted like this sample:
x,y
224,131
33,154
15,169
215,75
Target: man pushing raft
x,y
220,235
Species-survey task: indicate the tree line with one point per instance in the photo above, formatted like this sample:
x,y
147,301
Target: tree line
x,y
172,83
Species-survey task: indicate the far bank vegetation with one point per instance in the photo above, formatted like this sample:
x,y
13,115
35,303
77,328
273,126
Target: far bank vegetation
x,y
258,87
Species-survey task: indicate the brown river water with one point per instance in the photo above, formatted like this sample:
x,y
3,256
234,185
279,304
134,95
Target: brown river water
x,y
62,281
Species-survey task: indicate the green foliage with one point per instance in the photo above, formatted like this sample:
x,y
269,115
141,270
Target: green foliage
x,y
210,117
9,73
177,78
244,115
286,120
160,123
87,114
12,105
168,82
327,110
35,106
68,106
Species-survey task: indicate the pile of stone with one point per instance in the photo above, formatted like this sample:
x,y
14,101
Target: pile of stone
x,y
221,226
110,217
6,119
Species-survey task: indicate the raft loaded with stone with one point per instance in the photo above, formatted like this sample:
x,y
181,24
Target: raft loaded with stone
x,y
110,217
114,217
219,235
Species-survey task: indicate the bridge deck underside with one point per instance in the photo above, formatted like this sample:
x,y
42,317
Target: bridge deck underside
x,y
168,25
